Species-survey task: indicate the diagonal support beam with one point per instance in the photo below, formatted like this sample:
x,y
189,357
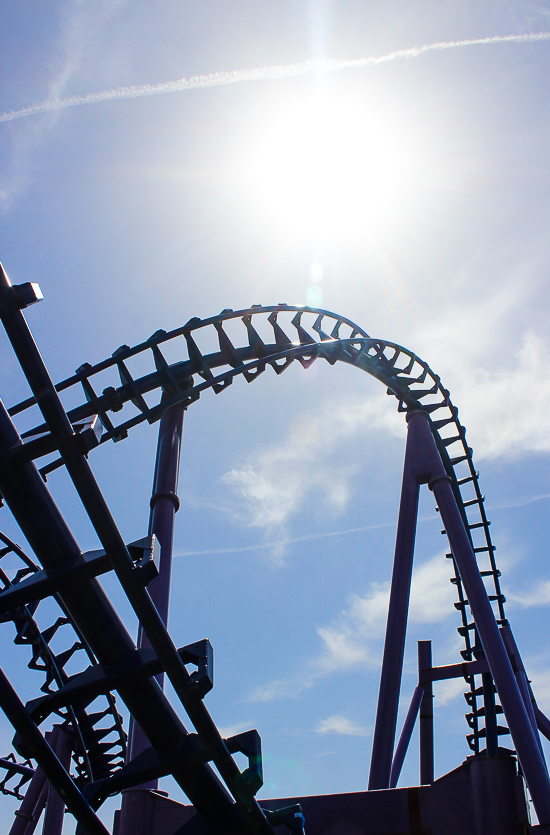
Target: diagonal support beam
x,y
525,741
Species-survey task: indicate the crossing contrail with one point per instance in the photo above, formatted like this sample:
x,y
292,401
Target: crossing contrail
x,y
218,79
521,501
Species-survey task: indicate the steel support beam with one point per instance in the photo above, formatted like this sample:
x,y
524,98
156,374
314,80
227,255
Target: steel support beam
x,y
426,719
405,738
164,506
396,629
28,814
523,736
55,805
54,545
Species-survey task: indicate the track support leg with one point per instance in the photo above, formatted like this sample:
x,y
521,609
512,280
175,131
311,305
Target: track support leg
x,y
394,648
426,721
521,729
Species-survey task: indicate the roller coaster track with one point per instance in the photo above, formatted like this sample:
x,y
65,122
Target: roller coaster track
x,y
99,738
215,351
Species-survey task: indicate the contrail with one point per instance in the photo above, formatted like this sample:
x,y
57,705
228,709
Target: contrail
x,y
218,79
521,501
263,545
307,537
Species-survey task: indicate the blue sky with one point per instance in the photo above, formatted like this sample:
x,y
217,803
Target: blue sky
x,y
410,196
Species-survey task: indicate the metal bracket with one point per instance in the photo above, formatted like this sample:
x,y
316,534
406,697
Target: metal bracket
x,y
291,816
96,680
145,553
152,764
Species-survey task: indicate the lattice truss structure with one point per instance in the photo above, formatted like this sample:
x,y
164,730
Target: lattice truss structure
x,y
103,402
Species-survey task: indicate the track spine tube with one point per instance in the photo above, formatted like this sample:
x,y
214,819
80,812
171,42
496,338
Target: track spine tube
x,y
94,503
526,744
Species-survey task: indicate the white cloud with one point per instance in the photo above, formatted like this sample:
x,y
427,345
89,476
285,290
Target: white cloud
x,y
341,725
449,690
509,409
348,642
274,484
354,639
231,730
537,595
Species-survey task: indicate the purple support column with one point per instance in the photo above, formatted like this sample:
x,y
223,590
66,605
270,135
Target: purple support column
x,y
32,804
426,721
396,628
55,806
405,738
526,744
26,817
164,506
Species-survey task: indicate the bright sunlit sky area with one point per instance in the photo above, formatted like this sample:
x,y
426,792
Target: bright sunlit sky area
x,y
409,195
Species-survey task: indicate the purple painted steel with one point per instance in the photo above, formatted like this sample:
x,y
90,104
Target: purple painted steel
x,y
394,648
31,806
523,681
164,506
406,733
525,742
55,806
33,803
165,503
426,722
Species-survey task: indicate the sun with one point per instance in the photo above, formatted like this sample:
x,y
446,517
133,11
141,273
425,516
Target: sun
x,y
329,166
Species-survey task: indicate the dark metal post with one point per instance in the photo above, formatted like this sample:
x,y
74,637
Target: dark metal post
x,y
165,503
405,738
426,722
164,506
55,805
26,817
394,648
525,742
491,729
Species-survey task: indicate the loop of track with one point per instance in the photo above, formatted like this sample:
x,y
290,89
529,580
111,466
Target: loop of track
x,y
405,376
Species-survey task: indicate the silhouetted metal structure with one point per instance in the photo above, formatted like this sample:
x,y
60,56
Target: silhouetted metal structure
x,y
84,758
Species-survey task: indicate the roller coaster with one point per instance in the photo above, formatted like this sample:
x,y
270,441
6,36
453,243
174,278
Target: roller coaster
x,y
87,755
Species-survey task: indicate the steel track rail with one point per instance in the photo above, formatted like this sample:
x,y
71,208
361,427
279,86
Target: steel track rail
x,y
95,755
406,376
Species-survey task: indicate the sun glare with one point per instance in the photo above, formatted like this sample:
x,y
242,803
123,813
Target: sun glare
x,y
325,167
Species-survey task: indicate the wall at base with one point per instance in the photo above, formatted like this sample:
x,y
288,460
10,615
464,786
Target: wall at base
x,y
484,795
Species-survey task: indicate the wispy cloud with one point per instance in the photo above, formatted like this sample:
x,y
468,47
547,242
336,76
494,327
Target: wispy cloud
x,y
78,25
275,482
277,71
348,642
497,429
521,501
341,725
231,730
447,691
354,638
537,595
